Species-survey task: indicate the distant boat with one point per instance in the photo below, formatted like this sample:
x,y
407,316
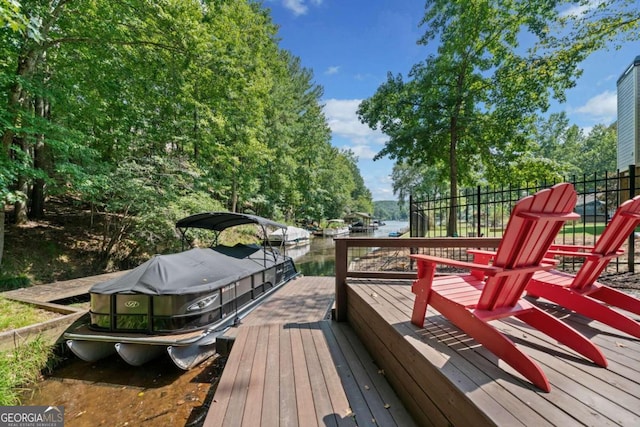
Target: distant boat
x,y
395,234
180,303
335,227
290,236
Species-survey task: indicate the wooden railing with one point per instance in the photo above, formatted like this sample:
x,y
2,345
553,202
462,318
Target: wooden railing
x,y
414,244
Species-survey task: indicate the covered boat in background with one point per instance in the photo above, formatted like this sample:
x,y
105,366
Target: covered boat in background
x,y
180,303
290,236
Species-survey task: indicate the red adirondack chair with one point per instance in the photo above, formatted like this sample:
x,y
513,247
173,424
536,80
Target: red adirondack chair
x,y
494,291
581,292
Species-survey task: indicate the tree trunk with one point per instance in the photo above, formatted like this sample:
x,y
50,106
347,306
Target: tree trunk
x,y
41,161
22,186
20,206
1,231
452,224
234,194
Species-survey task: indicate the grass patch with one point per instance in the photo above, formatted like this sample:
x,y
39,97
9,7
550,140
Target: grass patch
x,y
8,283
14,314
592,229
22,367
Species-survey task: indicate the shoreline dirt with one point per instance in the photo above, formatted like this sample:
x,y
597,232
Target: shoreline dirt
x,y
111,393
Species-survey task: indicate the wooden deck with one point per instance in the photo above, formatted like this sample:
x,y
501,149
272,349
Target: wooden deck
x,y
445,378
290,366
57,291
44,297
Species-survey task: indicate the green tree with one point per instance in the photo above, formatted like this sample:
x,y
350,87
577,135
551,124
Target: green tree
x,y
599,151
475,100
418,180
360,196
120,104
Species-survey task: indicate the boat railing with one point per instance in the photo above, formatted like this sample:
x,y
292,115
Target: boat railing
x,y
388,258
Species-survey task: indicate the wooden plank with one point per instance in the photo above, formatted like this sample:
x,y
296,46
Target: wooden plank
x,y
444,374
235,407
304,394
287,389
271,397
357,401
398,368
294,373
325,415
59,290
340,404
305,299
515,397
218,408
253,409
419,404
391,400
587,387
366,383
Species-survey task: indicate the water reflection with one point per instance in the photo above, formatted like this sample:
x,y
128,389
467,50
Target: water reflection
x,y
318,257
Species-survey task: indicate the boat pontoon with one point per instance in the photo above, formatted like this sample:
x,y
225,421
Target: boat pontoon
x,y
180,303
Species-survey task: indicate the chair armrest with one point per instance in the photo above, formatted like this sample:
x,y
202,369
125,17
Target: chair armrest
x,y
580,254
570,248
455,263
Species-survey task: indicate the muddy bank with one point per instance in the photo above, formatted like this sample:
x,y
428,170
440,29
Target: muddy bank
x,y
112,393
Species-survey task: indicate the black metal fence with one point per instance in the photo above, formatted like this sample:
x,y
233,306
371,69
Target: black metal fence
x,y
484,212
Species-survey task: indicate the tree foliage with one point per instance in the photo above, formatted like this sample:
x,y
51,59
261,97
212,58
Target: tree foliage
x,y
470,108
138,107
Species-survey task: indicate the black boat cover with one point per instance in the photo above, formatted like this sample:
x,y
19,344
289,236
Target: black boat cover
x,y
193,271
218,221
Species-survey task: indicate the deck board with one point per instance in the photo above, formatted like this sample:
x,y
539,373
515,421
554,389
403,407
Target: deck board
x,y
290,366
560,365
582,392
59,290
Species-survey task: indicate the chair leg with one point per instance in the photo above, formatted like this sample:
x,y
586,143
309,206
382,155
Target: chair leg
x,y
491,339
593,308
617,298
422,292
563,333
422,288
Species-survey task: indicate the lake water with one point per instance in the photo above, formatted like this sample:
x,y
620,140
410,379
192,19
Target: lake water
x,y
318,257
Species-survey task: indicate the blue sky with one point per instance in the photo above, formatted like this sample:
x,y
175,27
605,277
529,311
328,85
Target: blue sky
x,y
351,45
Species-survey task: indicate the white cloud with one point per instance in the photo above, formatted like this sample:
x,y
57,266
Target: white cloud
x,y
332,70
344,123
363,151
580,9
602,107
299,7
349,133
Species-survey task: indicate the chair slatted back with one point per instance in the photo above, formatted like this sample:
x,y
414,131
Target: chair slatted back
x,y
622,224
533,225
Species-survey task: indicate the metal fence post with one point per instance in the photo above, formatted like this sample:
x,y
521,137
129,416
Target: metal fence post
x,y
478,215
631,257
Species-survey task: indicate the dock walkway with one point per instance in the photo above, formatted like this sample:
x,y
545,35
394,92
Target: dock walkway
x,y
60,290
291,366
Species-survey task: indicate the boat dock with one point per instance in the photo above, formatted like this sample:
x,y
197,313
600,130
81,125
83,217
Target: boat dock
x,y
291,365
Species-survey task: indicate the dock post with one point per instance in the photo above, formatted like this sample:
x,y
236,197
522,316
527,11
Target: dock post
x,y
341,278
